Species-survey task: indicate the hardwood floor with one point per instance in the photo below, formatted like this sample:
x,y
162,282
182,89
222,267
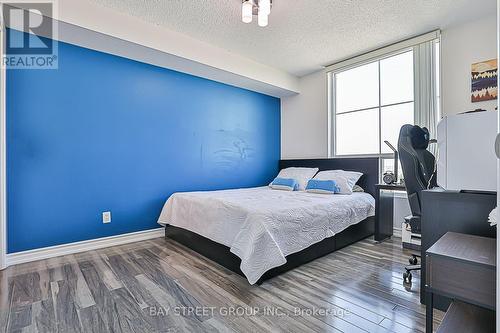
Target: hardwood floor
x,y
160,286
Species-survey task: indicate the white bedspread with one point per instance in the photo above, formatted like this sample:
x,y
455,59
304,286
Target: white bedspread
x,y
261,225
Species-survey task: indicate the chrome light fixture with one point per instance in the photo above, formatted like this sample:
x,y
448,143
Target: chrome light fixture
x,y
259,8
247,11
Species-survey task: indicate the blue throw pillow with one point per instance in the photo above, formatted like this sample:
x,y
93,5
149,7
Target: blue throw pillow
x,y
286,184
322,186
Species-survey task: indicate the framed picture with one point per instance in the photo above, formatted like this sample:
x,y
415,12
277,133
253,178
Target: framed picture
x,y
484,81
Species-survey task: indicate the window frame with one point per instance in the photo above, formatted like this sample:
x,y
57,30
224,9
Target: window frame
x,y
332,112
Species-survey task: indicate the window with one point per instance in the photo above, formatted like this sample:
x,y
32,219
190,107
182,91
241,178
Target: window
x,y
371,103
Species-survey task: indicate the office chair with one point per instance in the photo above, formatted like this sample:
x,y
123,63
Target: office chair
x,y
418,166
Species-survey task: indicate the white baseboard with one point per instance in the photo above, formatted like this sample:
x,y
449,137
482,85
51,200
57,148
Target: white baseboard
x,y
396,232
87,245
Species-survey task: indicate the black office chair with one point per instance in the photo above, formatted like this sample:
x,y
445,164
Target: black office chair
x,y
418,166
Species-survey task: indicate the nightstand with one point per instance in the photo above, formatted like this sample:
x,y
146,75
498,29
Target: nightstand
x,y
384,209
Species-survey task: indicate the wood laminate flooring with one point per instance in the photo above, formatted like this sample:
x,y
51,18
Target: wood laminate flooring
x,y
161,286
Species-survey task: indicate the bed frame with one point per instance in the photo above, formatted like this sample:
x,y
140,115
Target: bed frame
x,y
221,254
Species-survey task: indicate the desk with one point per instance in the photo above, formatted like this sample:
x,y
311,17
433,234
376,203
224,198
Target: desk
x,y
384,210
444,211
462,267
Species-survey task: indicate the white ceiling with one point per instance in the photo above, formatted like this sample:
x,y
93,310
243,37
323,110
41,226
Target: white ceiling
x,y
304,35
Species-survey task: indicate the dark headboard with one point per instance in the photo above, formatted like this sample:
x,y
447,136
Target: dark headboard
x,y
369,166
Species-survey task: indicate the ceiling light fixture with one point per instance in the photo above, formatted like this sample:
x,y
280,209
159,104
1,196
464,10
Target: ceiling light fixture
x,y
246,12
265,6
259,8
263,18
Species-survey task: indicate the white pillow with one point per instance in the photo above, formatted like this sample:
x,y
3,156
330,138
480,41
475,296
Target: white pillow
x,y
301,175
345,179
358,189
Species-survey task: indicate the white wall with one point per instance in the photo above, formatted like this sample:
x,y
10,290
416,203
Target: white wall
x,y
401,210
498,188
304,119
462,46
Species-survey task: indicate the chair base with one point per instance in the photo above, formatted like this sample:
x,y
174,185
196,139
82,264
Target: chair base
x,y
414,259
407,275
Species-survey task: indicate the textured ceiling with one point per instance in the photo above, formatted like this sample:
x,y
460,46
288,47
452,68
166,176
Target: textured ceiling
x,y
304,35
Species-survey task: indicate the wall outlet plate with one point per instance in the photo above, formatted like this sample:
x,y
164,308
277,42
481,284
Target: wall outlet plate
x,y
106,217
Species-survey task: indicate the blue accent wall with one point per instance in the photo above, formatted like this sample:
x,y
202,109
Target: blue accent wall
x,y
108,133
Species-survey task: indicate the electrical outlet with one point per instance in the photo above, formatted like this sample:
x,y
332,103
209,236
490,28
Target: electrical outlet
x,y
106,217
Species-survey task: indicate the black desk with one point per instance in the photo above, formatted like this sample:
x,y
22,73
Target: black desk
x,y
462,267
384,210
444,211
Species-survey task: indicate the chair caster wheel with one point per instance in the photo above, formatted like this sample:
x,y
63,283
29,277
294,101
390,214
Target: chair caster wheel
x,y
407,277
413,261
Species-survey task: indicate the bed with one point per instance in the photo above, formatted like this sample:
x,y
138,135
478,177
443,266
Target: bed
x,y
260,232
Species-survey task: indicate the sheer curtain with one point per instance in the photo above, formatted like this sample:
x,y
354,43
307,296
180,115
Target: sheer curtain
x,y
425,85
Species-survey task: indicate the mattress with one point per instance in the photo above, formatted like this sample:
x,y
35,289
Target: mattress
x,y
261,225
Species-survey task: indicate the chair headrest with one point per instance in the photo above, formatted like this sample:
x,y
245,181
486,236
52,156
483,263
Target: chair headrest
x,y
417,136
